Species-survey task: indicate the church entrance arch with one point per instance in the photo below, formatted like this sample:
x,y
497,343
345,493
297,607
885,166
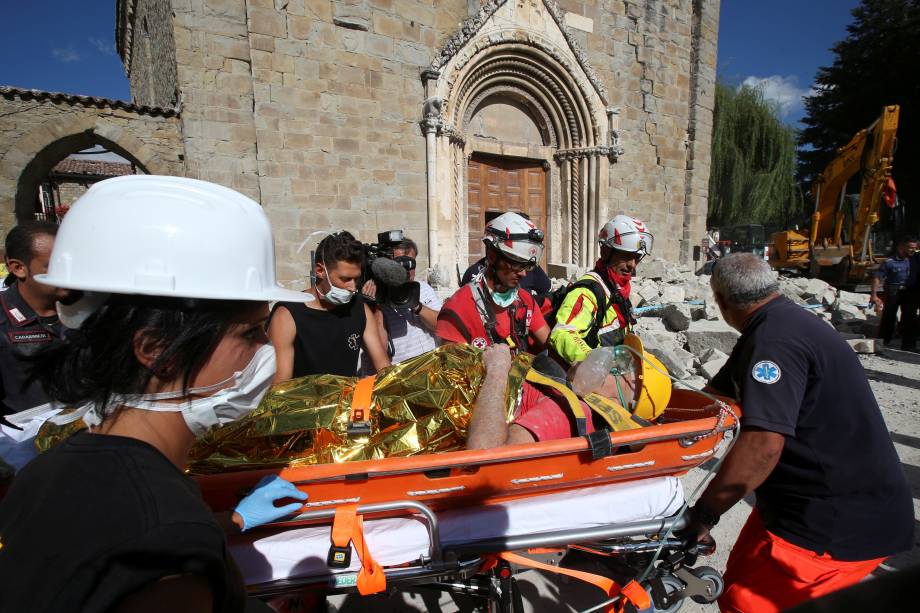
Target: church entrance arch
x,y
515,119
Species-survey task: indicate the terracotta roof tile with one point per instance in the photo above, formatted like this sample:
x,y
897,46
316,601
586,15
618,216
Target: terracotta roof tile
x,y
70,166
89,101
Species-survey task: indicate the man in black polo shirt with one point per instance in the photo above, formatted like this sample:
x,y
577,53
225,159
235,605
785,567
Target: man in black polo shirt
x,y
832,500
28,324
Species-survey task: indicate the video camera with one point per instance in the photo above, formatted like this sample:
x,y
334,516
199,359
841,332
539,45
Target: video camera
x,y
390,272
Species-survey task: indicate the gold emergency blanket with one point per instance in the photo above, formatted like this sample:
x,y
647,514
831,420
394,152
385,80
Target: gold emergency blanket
x,y
422,405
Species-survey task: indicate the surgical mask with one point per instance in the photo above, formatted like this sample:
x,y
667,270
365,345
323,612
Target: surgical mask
x,y
335,295
233,398
504,299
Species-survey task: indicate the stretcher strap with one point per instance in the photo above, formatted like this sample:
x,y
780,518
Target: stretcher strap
x,y
359,416
348,527
631,592
578,412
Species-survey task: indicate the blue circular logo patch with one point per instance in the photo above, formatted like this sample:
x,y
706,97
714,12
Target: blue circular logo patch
x,y
766,372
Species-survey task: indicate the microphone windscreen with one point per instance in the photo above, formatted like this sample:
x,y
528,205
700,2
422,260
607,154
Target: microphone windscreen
x,y
389,272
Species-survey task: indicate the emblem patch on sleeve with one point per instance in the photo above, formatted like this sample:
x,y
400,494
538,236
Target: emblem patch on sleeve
x,y
766,372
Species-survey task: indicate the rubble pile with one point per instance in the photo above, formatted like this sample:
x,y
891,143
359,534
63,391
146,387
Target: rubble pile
x,y
679,321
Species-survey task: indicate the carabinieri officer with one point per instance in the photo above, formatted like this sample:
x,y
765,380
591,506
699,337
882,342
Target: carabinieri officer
x,y
832,499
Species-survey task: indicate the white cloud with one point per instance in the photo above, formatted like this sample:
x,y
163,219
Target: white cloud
x,y
66,55
784,91
101,45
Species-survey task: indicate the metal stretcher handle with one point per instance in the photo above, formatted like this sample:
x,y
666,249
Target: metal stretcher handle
x,y
431,520
560,538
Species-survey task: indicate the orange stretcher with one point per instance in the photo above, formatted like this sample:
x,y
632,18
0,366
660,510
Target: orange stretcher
x,y
348,496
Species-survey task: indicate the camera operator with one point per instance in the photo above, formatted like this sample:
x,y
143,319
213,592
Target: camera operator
x,y
409,331
325,336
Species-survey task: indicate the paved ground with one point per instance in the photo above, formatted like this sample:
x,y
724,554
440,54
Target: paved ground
x,y
895,379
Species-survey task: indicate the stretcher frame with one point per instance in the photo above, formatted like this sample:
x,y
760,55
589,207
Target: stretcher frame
x,y
424,485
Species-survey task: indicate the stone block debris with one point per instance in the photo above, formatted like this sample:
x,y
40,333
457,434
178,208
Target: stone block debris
x,y
679,321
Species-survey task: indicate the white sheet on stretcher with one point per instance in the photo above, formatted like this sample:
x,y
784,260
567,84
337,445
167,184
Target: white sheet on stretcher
x,y
301,552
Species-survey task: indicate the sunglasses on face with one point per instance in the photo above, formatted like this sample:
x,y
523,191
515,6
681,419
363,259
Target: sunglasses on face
x,y
516,266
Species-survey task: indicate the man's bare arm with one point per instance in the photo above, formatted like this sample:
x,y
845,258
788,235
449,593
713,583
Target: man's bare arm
x,y
281,333
751,460
429,318
488,428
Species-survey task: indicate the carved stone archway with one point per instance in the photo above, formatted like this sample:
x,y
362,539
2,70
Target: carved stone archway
x,y
521,51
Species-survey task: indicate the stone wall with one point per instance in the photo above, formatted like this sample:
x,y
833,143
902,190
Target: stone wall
x,y
336,113
38,129
657,60
215,82
151,65
313,107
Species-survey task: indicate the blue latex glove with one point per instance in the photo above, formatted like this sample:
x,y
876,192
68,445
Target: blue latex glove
x,y
259,506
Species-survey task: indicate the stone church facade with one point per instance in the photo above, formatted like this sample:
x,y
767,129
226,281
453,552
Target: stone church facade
x,y
435,115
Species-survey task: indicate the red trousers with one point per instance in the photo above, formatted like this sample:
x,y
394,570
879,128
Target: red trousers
x,y
766,573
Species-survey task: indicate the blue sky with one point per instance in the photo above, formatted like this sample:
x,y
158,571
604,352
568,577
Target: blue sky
x,y
63,46
778,45
69,46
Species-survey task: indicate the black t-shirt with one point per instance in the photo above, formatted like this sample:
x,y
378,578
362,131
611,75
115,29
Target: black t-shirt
x,y
99,517
839,486
327,342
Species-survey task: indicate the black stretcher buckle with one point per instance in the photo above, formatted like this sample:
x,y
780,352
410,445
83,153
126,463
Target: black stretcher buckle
x,y
359,428
339,557
600,445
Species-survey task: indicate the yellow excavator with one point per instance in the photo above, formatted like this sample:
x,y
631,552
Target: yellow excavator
x,y
838,248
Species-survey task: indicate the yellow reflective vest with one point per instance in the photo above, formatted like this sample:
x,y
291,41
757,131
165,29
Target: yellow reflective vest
x,y
575,318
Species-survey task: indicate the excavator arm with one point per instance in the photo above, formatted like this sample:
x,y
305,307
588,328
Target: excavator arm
x,y
870,152
875,174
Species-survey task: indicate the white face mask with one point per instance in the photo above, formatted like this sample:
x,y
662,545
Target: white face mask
x,y
225,405
505,299
232,398
335,295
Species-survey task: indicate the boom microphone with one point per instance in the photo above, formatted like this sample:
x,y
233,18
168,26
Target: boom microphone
x,y
389,272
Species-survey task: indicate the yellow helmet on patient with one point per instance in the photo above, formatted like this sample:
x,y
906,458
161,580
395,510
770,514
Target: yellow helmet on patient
x,y
653,384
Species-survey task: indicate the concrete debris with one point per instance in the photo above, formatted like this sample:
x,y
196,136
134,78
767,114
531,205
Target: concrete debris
x,y
863,345
711,368
684,327
694,382
713,354
673,293
649,292
852,298
845,312
676,317
705,335
567,272
652,269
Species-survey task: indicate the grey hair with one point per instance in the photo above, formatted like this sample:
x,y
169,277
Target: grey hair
x,y
742,279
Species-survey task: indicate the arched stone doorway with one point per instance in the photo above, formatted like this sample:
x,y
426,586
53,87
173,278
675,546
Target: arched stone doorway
x,y
40,129
515,89
38,169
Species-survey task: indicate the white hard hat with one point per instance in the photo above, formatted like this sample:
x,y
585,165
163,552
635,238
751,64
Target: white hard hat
x,y
167,236
625,233
515,237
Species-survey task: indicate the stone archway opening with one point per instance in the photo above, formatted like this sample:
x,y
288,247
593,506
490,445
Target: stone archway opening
x,y
512,111
36,196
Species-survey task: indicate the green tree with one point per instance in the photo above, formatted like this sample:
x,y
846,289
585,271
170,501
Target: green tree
x,y
875,65
752,178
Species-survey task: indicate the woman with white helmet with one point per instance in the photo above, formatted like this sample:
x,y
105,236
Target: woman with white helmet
x,y
596,310
167,341
493,308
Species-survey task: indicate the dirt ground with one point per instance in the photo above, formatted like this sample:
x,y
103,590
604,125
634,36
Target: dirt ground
x,y
895,379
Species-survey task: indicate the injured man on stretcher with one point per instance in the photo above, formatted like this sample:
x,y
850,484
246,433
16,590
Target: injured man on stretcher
x,y
547,412
452,398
